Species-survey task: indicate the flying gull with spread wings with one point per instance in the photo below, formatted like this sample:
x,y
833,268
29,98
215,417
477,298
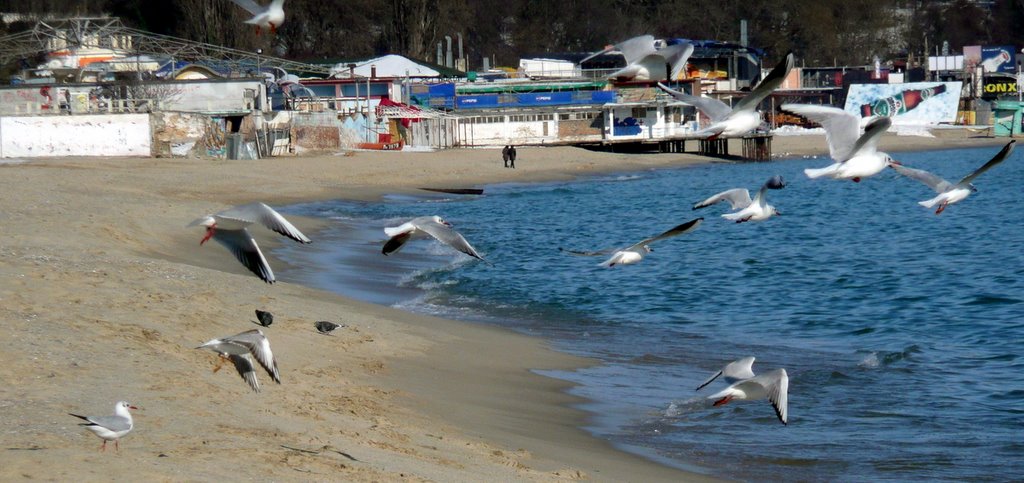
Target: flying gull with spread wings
x,y
950,193
636,252
742,117
855,154
772,385
241,349
646,62
270,17
228,228
424,227
756,209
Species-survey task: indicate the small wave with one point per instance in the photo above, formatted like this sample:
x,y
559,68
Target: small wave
x,y
876,359
992,300
423,305
871,361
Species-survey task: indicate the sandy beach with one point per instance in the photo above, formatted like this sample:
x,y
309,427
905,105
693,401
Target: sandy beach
x,y
107,294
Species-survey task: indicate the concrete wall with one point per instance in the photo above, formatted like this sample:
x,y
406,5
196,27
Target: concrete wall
x,y
226,95
85,135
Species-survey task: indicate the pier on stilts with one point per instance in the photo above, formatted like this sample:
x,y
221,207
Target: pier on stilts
x,y
755,147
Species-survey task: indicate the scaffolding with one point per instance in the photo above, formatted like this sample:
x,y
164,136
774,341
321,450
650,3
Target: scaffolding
x,y
57,35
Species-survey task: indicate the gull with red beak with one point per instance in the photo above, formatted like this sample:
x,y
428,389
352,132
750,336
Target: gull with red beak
x,y
110,428
772,385
228,228
270,17
423,227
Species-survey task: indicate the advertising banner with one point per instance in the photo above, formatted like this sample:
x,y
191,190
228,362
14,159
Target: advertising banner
x,y
995,87
931,102
998,59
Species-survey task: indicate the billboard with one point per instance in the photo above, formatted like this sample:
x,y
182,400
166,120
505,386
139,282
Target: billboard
x,y
930,102
999,86
998,58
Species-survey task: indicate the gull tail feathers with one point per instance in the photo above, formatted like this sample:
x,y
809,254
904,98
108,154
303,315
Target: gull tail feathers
x,y
819,172
393,230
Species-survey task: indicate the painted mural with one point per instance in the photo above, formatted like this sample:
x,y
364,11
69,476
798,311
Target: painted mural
x,y
930,102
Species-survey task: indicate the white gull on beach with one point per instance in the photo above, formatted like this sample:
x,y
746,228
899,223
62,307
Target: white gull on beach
x,y
228,228
241,349
110,428
856,155
950,193
756,209
742,117
424,227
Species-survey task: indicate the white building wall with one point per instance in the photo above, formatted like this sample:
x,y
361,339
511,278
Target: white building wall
x,y
508,132
86,135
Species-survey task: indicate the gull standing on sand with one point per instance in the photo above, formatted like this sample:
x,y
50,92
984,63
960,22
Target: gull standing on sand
x,y
772,385
270,17
110,428
645,62
756,209
950,193
734,371
741,118
856,155
229,229
636,252
423,227
241,349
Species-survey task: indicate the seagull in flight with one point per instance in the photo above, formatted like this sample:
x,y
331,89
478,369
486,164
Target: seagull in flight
x,y
734,371
856,155
772,385
229,229
636,252
645,62
742,117
110,428
950,193
270,17
241,349
756,209
423,227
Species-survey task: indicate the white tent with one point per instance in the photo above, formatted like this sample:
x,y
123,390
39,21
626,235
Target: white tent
x,y
386,66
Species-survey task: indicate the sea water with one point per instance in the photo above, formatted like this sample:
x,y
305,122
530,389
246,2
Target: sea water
x,y
902,331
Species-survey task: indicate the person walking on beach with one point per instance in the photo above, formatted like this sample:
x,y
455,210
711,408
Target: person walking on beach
x,y
504,155
512,157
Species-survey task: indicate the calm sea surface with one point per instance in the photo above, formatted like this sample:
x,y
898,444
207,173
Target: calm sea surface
x,y
902,331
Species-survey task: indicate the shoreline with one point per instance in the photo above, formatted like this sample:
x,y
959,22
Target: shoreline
x,y
110,293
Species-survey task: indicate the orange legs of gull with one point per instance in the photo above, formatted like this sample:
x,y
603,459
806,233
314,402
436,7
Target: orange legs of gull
x,y
209,234
722,401
941,208
220,363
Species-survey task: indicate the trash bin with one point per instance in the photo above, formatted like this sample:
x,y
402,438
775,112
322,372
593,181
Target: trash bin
x,y
1007,118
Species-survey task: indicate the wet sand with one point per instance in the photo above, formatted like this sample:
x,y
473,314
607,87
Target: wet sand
x,y
106,293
